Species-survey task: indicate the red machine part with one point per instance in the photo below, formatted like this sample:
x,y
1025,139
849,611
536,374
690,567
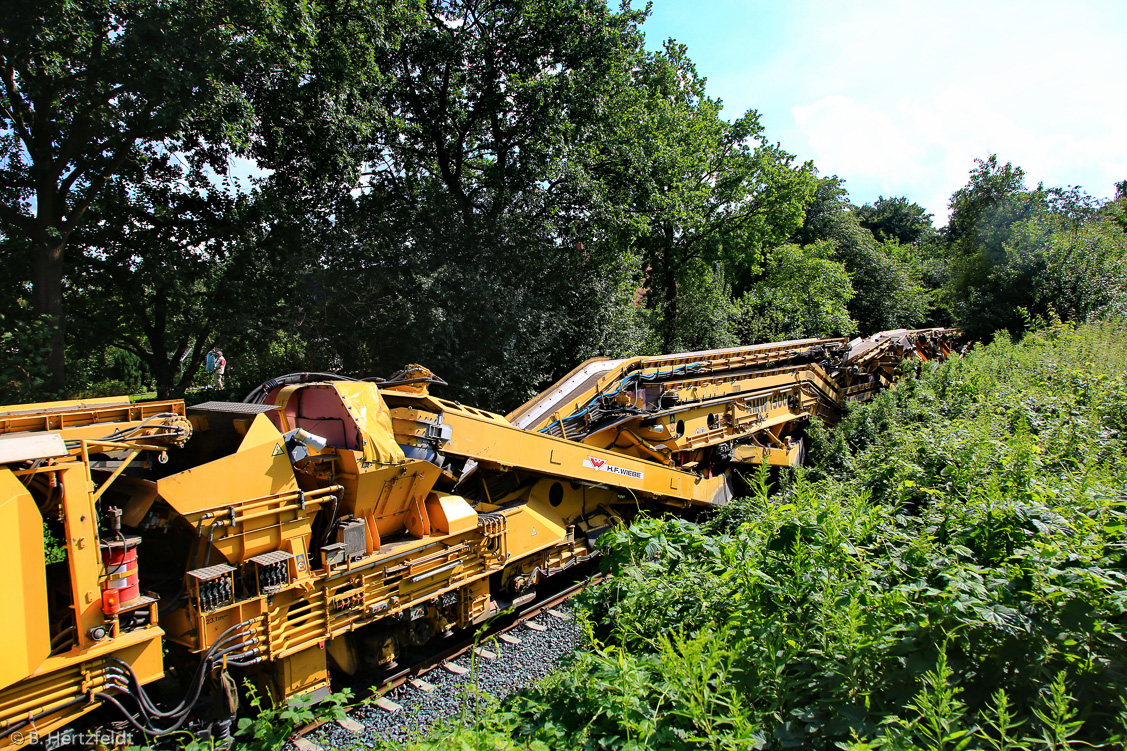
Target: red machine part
x,y
121,587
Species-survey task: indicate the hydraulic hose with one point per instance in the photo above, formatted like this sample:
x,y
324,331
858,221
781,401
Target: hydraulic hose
x,y
195,686
258,395
8,731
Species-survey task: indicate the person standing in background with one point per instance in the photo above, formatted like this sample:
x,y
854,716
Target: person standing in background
x,y
220,367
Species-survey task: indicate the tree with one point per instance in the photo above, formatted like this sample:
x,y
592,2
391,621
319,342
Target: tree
x,y
93,88
804,293
1018,253
1084,273
478,245
984,210
896,218
161,270
94,91
889,293
696,188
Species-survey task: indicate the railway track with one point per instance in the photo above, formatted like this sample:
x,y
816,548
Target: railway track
x,y
380,710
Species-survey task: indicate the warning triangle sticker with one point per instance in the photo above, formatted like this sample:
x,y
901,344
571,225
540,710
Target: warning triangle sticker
x,y
278,450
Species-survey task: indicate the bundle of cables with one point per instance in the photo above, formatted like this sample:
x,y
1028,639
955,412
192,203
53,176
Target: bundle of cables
x,y
258,395
125,433
602,408
237,644
235,647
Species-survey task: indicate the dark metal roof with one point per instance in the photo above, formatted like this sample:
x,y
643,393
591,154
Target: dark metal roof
x,y
233,408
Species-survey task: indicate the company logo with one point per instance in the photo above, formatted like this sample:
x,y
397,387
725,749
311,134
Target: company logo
x,y
600,465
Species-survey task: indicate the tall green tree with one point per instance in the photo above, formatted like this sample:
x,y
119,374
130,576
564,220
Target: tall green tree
x,y
1018,252
94,88
95,91
164,273
475,245
897,219
804,292
697,189
889,293
985,211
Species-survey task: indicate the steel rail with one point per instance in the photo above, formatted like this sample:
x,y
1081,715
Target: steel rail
x,y
505,623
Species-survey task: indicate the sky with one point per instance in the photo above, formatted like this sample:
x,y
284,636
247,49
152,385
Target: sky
x,y
899,98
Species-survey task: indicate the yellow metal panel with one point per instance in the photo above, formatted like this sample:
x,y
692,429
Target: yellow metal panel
x,y
342,652
61,679
140,495
386,496
777,457
84,559
86,418
494,440
373,419
26,635
533,526
303,672
261,431
450,514
257,471
101,401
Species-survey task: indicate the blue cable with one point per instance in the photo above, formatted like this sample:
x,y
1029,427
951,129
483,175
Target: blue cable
x,y
621,385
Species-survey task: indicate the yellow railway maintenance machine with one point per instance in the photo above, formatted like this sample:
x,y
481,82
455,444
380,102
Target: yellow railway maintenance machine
x,y
331,522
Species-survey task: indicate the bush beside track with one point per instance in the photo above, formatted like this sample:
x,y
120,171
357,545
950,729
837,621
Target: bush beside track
x,y
952,574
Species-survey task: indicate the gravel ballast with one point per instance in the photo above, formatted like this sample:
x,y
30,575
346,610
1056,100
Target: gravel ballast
x,y
517,666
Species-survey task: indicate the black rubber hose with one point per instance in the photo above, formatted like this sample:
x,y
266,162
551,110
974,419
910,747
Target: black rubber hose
x,y
194,686
146,729
8,731
258,395
138,693
183,714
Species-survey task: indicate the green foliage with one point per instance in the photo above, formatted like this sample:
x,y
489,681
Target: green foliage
x,y
477,243
113,101
164,272
24,348
272,726
1015,251
804,292
706,314
694,189
952,577
53,549
107,387
886,279
896,219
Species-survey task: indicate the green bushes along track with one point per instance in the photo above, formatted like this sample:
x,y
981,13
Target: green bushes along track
x,y
950,575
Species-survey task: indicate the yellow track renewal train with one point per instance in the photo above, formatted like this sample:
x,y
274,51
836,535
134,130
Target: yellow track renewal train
x,y
325,524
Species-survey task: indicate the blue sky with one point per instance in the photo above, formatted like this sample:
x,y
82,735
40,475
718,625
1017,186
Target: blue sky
x,y
900,97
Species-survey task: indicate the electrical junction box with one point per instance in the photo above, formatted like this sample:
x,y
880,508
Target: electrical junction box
x,y
353,534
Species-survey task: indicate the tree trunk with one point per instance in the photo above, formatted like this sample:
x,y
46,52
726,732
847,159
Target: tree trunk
x,y
669,322
164,374
157,330
47,298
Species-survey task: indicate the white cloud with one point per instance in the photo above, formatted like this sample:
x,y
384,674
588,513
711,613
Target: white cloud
x,y
901,97
851,138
